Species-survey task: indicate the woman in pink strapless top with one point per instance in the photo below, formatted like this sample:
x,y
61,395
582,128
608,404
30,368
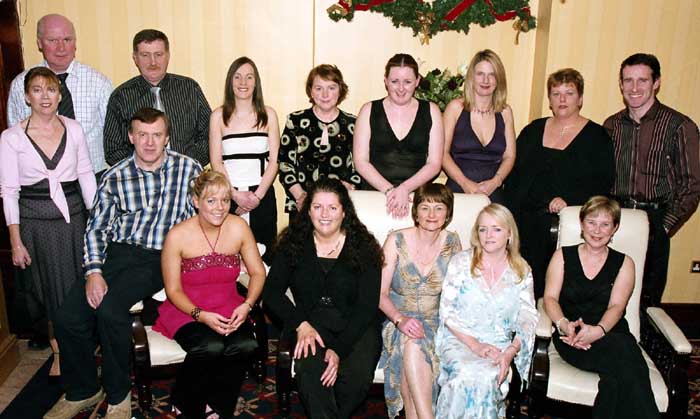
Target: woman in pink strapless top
x,y
204,313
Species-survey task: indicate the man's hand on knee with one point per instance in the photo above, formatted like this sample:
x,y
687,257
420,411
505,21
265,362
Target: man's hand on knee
x,y
95,289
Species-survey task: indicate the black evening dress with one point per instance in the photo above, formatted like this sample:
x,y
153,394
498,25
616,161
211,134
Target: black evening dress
x,y
624,389
398,159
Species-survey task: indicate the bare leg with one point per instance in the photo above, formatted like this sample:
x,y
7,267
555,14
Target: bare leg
x,y
419,378
55,370
408,406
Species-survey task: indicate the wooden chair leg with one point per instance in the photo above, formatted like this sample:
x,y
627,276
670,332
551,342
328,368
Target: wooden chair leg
x,y
514,394
283,373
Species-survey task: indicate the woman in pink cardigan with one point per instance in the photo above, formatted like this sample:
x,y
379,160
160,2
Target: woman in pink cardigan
x,y
46,184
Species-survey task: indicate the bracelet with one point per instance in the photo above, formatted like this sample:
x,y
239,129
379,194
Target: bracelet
x,y
605,332
249,305
512,346
388,191
558,325
195,313
257,197
398,321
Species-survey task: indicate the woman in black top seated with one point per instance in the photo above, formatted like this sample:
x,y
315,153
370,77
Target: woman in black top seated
x,y
332,265
588,287
398,139
562,161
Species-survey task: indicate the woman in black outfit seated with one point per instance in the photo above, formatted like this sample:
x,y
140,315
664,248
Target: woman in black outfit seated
x,y
562,161
591,284
332,265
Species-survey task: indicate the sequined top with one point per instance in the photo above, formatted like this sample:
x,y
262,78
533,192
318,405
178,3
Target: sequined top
x,y
209,281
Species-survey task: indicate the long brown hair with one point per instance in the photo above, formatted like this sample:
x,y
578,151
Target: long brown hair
x,y
230,99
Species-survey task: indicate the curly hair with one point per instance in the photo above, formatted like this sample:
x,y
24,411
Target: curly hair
x,y
360,244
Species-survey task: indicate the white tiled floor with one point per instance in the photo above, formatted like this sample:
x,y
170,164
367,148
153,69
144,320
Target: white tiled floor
x,y
29,364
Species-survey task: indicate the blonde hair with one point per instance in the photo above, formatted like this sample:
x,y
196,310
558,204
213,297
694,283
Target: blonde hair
x,y
500,94
505,219
208,180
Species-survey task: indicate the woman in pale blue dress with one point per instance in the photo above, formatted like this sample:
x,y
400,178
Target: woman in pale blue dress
x,y
487,320
416,261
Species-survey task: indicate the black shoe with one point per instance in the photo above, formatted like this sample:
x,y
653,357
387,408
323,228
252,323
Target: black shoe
x,y
38,343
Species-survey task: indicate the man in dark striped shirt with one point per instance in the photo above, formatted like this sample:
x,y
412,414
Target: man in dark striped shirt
x,y
179,97
138,201
657,164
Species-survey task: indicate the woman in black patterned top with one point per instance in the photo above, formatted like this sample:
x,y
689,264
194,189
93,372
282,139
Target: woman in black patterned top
x,y
317,142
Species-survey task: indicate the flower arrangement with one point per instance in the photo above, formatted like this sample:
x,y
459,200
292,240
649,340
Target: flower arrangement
x,y
440,87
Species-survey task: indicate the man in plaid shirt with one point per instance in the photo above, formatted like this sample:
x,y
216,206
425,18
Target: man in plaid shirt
x,y
139,199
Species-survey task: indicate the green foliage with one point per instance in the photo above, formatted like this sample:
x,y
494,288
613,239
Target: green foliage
x,y
440,87
404,13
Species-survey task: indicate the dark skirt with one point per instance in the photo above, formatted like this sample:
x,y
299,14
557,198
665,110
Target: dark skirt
x,y
55,247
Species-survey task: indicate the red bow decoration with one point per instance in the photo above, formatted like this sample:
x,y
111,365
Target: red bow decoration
x,y
465,4
363,7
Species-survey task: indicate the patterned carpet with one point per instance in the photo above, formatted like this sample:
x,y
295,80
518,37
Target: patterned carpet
x,y
32,402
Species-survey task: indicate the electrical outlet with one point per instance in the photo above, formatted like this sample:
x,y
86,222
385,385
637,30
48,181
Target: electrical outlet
x,y
695,267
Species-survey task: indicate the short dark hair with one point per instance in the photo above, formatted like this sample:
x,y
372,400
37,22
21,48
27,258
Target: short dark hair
x,y
330,73
401,60
433,192
648,60
148,36
149,116
42,72
565,76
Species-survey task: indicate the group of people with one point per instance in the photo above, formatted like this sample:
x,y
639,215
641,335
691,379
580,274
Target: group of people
x,y
451,321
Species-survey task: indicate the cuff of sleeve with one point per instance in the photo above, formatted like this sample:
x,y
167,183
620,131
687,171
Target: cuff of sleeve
x,y
669,222
92,267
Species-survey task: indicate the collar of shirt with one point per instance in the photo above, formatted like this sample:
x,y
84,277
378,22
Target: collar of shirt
x,y
169,154
146,86
649,116
69,70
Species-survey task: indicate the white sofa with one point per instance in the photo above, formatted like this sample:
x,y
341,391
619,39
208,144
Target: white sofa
x,y
371,210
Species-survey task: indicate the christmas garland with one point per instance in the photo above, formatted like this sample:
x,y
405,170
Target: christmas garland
x,y
427,18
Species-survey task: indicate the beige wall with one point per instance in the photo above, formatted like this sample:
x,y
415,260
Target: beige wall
x,y
287,38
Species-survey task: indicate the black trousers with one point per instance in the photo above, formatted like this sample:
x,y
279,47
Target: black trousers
x,y
536,244
354,379
263,222
656,265
624,389
213,370
132,274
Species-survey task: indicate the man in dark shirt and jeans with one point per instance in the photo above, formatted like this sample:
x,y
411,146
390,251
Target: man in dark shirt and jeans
x,y
139,199
657,164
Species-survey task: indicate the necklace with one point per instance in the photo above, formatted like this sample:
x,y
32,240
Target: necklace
x,y
425,251
563,129
333,250
218,233
483,112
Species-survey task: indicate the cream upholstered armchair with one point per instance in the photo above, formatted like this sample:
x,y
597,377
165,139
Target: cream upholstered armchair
x,y
371,209
664,346
151,350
